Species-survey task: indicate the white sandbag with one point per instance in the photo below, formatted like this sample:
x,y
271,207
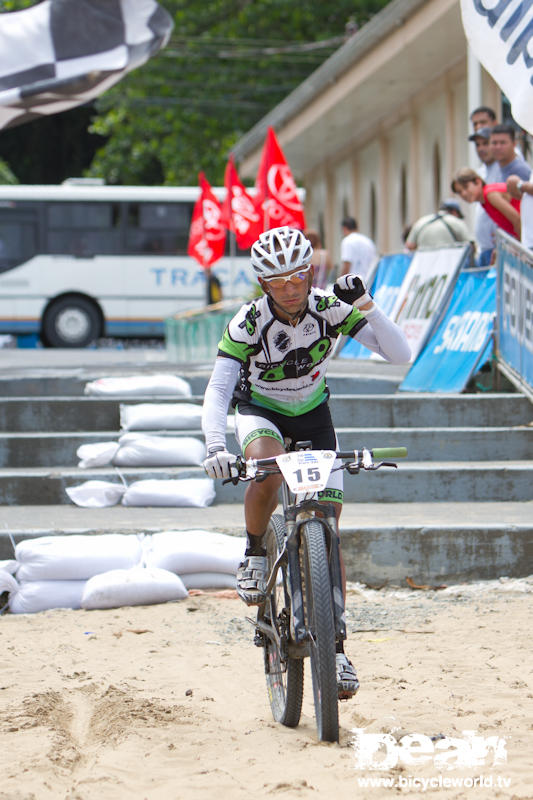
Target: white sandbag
x,y
132,587
98,454
33,596
192,551
140,385
76,556
195,492
7,582
209,580
9,566
141,450
96,494
161,417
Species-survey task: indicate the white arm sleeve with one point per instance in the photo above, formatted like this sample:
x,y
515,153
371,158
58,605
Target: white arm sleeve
x,y
384,337
217,399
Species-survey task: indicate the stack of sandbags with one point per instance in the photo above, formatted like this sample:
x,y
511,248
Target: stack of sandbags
x,y
140,385
143,450
171,493
87,571
202,559
111,570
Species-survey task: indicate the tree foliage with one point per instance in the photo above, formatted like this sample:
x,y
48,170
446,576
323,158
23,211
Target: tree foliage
x,y
227,64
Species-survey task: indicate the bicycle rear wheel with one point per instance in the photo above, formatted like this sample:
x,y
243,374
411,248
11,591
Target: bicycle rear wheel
x,y
321,626
284,675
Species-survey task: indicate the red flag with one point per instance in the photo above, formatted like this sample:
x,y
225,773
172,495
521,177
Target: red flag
x,y
239,213
207,235
277,198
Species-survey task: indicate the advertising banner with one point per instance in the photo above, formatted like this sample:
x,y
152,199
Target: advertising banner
x,y
515,307
425,292
388,279
462,341
500,34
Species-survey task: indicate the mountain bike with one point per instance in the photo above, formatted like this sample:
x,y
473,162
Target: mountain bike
x,y
303,613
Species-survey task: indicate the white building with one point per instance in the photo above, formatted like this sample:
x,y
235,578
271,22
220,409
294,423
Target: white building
x,y
378,130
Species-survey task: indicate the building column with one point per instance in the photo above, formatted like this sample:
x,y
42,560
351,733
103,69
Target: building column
x,y
413,178
383,196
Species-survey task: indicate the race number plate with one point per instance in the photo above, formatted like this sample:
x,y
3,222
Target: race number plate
x,y
306,470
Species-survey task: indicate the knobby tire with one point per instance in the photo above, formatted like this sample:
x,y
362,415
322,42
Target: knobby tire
x,y
321,626
284,675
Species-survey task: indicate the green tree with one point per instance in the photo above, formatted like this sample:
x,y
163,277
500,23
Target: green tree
x,y
6,175
227,64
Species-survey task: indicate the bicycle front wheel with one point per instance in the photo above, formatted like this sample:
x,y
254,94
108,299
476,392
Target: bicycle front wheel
x,y
284,675
321,626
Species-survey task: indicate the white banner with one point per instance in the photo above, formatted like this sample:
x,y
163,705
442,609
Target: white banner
x,y
500,33
425,291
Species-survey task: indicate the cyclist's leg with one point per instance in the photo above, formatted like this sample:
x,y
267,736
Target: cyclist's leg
x,y
258,437
324,437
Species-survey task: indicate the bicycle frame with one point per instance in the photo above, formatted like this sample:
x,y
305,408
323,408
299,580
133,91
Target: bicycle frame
x,y
304,614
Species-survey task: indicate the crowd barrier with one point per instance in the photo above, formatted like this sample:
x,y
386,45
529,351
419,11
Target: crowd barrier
x,y
193,336
514,330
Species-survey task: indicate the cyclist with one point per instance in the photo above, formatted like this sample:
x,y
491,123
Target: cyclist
x,y
272,362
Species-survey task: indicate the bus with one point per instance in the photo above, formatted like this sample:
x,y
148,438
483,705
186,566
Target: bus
x,y
84,260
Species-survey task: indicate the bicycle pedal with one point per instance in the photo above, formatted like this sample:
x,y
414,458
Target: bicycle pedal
x,y
259,638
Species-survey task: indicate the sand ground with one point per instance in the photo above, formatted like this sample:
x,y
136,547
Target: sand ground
x,y
169,701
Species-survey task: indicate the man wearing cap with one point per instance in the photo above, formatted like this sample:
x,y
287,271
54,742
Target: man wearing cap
x,y
489,170
443,229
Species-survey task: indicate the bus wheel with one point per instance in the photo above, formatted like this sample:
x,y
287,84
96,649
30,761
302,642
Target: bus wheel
x,y
71,322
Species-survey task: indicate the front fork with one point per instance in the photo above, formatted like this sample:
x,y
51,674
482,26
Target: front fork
x,y
293,525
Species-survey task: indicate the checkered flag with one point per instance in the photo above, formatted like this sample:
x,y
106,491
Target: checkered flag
x,y
61,53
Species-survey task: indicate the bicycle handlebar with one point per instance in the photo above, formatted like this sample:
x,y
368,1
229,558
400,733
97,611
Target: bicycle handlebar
x,y
269,464
378,452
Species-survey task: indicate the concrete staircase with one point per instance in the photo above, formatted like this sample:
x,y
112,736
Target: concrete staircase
x,y
467,452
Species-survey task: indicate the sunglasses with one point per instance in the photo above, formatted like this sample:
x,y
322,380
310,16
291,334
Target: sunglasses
x,y
296,277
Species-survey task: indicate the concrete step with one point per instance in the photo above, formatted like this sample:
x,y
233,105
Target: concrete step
x,y
412,481
58,449
45,385
376,411
428,542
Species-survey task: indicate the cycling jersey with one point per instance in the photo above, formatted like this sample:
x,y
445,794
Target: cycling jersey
x,y
283,366
275,365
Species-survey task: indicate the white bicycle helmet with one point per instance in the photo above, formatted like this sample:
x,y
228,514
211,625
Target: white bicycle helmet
x,y
280,250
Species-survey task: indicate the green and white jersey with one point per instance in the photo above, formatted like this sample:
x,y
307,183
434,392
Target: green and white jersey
x,y
283,366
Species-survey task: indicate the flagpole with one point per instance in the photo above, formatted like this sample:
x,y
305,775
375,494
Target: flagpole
x,y
232,256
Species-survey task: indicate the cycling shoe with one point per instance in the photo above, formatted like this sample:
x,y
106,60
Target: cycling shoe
x,y
347,683
252,576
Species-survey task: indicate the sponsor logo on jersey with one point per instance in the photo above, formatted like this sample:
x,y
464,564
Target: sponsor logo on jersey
x,y
282,341
250,320
296,363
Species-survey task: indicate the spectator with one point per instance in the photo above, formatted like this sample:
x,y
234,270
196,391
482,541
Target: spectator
x,y
489,171
320,260
482,117
358,252
502,145
523,190
496,201
443,229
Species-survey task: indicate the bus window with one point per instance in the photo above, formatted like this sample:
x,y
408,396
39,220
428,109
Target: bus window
x,y
17,242
158,228
83,229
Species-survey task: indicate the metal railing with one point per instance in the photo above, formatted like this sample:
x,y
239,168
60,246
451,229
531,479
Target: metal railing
x,y
514,330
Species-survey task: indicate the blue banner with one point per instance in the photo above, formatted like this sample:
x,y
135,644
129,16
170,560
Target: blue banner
x,y
390,273
462,341
515,308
